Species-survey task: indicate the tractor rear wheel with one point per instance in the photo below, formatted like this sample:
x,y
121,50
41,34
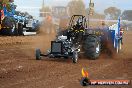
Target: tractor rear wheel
x,y
9,25
11,31
92,47
20,28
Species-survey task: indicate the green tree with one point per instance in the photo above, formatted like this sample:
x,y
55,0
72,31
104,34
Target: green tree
x,y
112,12
17,12
7,3
76,7
95,15
26,13
0,5
127,15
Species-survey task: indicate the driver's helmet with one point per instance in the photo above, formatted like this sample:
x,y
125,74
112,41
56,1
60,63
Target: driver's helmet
x,y
79,21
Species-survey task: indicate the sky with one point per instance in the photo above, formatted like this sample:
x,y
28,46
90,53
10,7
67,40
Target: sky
x,y
33,6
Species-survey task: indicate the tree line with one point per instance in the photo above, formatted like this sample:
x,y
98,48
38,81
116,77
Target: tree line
x,y
78,7
111,13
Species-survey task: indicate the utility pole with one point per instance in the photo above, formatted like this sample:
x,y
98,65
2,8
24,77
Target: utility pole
x,y
42,14
90,12
43,4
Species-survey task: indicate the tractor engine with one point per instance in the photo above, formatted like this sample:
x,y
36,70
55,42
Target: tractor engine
x,y
61,45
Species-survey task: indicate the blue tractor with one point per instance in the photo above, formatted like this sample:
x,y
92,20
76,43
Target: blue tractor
x,y
16,24
9,24
31,24
78,37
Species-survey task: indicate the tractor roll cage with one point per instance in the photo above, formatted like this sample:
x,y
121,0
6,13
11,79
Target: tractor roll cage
x,y
83,18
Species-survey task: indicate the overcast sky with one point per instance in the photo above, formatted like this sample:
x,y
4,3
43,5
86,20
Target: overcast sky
x,y
32,6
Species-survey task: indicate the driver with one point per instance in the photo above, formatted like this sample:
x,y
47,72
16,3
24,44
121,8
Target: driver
x,y
79,23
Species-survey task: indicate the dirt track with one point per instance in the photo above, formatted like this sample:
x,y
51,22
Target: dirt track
x,y
19,69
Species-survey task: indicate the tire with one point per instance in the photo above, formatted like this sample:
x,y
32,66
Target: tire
x,y
75,57
38,54
11,31
16,32
92,47
9,23
20,29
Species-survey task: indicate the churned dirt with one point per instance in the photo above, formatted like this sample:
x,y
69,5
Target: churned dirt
x,y
19,69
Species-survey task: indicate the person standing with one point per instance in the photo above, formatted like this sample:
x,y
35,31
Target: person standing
x,y
48,24
121,35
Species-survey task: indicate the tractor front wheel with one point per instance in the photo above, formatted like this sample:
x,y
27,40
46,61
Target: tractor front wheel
x,y
38,54
75,57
